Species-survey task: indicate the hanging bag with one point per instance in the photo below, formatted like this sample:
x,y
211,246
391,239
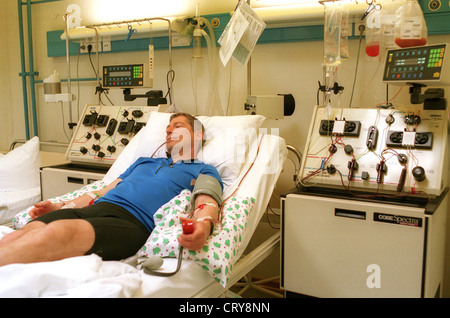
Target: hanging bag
x,y
410,27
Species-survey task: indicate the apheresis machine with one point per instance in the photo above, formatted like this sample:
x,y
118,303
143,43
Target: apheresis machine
x,y
100,136
368,217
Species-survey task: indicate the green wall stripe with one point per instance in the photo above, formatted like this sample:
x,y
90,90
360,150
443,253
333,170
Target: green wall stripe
x,y
438,22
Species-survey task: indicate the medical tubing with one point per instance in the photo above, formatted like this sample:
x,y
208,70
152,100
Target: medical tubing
x,y
361,29
166,274
197,42
212,54
211,63
194,82
240,182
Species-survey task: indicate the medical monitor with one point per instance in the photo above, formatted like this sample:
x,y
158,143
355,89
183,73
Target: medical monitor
x,y
421,65
126,76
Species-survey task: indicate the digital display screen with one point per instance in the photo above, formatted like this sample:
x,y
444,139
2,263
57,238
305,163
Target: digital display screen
x,y
118,74
411,61
126,75
415,64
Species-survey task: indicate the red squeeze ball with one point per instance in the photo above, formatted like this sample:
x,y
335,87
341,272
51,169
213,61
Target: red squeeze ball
x,y
188,226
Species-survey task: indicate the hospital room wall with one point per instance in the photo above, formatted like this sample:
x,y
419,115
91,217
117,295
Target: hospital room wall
x,y
9,67
276,68
292,68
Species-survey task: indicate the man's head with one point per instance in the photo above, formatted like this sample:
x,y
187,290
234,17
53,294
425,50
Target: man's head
x,y
184,136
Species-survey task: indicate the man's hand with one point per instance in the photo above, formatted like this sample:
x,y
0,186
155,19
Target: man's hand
x,y
44,207
197,239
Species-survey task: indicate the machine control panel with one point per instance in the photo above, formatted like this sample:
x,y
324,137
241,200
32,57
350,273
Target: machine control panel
x,y
400,152
125,76
424,65
104,131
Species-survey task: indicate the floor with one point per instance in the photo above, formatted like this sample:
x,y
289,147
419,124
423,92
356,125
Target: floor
x,y
258,288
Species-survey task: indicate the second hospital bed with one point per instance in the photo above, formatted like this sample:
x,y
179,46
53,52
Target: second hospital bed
x,y
19,179
249,161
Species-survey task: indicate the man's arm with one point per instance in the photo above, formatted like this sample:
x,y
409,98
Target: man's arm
x,y
208,198
85,199
80,202
206,210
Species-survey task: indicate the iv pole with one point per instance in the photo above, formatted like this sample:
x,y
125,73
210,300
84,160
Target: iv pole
x,y
69,90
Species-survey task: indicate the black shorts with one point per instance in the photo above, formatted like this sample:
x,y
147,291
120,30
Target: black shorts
x,y
118,233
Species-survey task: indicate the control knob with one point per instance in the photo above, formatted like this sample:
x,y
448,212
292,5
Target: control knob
x,y
111,149
96,147
418,173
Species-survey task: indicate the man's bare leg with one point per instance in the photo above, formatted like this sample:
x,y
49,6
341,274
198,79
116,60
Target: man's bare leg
x,y
47,242
18,233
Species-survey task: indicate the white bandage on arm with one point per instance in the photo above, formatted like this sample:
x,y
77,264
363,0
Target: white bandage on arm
x,y
70,205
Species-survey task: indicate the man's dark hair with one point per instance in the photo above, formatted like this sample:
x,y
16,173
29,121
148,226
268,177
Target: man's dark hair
x,y
194,122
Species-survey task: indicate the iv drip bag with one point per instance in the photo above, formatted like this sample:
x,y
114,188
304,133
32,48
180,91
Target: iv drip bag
x,y
332,34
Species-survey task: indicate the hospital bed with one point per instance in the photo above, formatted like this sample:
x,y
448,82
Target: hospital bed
x,y
19,179
249,162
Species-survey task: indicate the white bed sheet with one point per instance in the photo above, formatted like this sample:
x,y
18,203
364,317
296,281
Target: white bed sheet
x,y
12,202
88,276
19,179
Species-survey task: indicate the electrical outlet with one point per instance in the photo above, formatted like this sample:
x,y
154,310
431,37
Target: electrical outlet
x,y
360,28
106,43
94,46
84,46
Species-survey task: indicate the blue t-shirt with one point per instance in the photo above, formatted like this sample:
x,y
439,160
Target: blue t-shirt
x,y
151,182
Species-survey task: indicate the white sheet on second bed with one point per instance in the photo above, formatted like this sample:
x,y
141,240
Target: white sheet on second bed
x,y
12,202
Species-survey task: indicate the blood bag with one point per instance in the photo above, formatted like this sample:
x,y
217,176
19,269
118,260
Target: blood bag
x,y
410,27
388,23
373,34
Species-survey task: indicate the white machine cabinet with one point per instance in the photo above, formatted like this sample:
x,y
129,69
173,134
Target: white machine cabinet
x,y
100,136
60,179
333,246
361,225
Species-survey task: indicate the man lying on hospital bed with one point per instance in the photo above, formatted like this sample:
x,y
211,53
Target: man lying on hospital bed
x,y
116,221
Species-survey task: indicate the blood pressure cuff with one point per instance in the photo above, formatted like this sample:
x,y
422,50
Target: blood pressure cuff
x,y
209,185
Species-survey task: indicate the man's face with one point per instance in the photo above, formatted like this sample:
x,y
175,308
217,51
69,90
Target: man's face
x,y
180,137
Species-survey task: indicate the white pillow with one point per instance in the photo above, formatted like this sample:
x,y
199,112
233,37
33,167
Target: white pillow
x,y
227,142
19,169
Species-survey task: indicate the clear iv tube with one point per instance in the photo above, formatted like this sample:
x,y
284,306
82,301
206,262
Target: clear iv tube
x,y
213,94
212,79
